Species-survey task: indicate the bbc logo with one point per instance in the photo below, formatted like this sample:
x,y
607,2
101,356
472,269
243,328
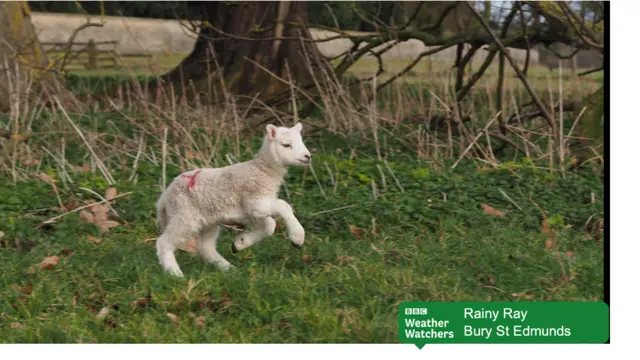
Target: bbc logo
x,y
415,311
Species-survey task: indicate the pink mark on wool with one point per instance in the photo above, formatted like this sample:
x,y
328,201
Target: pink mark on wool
x,y
192,179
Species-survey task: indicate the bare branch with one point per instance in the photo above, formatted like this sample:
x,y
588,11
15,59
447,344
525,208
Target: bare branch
x,y
523,78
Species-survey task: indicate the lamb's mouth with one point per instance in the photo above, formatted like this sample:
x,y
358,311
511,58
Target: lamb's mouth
x,y
306,161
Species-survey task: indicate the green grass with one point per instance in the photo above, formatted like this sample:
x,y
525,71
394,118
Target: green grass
x,y
342,286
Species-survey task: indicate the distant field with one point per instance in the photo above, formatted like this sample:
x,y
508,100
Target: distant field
x,y
425,71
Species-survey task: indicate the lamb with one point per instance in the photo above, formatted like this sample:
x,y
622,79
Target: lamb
x,y
198,202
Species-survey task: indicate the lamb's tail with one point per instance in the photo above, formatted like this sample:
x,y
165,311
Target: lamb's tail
x,y
161,213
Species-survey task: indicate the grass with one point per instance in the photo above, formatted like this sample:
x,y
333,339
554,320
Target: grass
x,y
425,237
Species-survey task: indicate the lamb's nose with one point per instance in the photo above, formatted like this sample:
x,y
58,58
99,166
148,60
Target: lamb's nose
x,y
308,156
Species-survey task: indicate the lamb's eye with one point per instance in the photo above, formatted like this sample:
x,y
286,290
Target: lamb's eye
x,y
286,145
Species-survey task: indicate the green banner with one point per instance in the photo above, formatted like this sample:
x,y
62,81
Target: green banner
x,y
422,323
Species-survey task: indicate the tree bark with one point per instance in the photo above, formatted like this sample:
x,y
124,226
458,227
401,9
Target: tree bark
x,y
243,45
25,70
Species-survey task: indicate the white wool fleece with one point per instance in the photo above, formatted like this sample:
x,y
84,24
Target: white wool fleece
x,y
197,202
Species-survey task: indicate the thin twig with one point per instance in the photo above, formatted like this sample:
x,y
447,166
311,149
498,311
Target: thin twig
x,y
83,207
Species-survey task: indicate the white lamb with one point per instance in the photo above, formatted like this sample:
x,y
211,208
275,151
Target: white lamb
x,y
197,202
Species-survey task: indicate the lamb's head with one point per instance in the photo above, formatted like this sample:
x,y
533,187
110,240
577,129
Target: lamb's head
x,y
286,145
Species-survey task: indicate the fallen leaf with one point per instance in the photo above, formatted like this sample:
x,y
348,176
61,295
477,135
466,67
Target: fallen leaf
x,y
65,252
94,240
569,253
28,288
356,231
106,225
16,325
49,263
200,321
174,319
306,259
86,216
110,193
71,204
15,287
491,210
545,226
99,217
103,313
344,258
189,246
30,162
548,244
142,302
85,167
32,270
46,177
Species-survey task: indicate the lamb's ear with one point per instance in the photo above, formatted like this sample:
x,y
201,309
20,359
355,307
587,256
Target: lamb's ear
x,y
271,131
297,127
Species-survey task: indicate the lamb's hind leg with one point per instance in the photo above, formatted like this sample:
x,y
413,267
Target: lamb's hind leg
x,y
176,233
207,242
263,227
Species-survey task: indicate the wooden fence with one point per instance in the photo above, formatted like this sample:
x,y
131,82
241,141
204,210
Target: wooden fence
x,y
91,55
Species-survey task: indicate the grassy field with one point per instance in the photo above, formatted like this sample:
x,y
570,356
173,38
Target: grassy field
x,y
378,232
426,237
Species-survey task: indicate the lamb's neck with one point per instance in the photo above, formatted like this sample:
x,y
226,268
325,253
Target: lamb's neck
x,y
265,162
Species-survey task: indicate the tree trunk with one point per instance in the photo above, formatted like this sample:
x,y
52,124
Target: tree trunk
x,y
24,67
238,45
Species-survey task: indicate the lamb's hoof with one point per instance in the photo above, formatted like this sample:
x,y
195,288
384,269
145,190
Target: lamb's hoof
x,y
175,272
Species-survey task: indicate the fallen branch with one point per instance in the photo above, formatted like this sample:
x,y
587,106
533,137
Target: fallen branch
x,y
82,208
522,117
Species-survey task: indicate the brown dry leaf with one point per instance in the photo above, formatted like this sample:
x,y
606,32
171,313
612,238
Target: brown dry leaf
x,y
344,258
103,313
71,204
189,154
16,325
569,253
189,247
27,289
86,216
30,162
142,302
548,244
200,321
174,319
106,225
356,231
94,240
110,193
491,210
99,217
65,252
15,287
85,167
49,263
306,259
32,270
545,226
46,177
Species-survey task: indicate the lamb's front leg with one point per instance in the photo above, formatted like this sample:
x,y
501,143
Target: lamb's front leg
x,y
207,242
262,228
280,208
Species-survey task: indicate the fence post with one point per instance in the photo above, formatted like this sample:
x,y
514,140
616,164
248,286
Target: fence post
x,y
92,51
